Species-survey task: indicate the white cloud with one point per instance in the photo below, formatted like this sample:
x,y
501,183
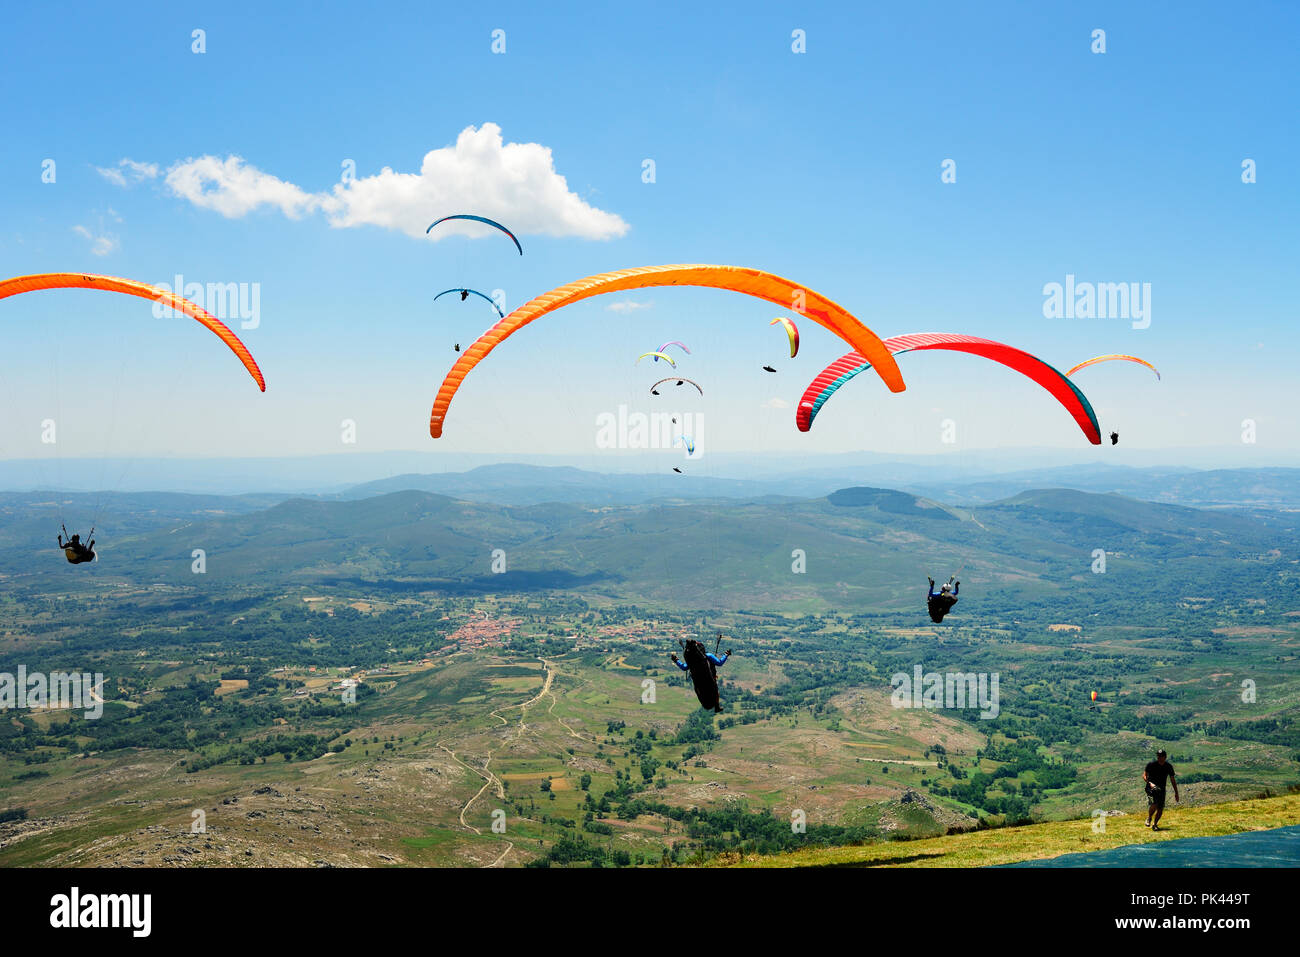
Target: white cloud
x,y
776,404
128,172
626,305
100,244
234,189
515,183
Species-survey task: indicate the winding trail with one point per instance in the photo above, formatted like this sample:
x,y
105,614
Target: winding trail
x,y
546,689
490,780
573,734
509,847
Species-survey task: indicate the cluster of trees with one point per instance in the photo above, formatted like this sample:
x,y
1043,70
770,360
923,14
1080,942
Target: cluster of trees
x,y
191,717
1016,798
294,747
576,850
1265,731
734,827
696,729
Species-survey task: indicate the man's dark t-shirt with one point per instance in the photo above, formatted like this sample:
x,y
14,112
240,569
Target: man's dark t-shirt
x,y
1158,773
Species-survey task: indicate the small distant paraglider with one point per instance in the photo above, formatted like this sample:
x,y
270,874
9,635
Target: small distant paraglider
x,y
791,331
466,293
1094,696
477,219
673,342
768,369
1112,358
658,355
654,389
1114,438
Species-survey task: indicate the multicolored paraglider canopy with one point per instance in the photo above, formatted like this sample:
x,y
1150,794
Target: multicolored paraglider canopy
x,y
835,375
791,331
673,342
1112,358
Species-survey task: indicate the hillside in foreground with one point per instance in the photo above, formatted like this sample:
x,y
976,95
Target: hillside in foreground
x,y
1010,845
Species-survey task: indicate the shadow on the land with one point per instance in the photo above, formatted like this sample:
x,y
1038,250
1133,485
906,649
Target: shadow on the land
x,y
910,859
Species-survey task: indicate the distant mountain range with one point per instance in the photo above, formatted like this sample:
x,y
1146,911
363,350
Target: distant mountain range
x,y
856,547
1277,488
976,472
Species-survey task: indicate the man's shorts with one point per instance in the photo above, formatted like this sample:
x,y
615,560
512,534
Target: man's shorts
x,y
1156,798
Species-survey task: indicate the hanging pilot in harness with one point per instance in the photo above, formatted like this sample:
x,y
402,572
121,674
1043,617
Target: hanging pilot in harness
x,y
75,550
702,666
941,602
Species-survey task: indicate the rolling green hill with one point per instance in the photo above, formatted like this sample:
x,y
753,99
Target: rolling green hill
x,y
986,848
860,547
524,693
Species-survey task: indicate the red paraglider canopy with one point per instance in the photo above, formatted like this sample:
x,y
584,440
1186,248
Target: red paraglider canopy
x,y
847,366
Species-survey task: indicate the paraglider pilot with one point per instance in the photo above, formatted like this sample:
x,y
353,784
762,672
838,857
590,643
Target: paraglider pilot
x,y
702,666
1156,775
941,602
75,550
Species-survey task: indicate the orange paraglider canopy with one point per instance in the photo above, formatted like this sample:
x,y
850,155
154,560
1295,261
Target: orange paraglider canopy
x,y
130,287
752,282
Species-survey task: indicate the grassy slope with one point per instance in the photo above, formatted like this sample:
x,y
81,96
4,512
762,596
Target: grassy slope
x,y
1052,839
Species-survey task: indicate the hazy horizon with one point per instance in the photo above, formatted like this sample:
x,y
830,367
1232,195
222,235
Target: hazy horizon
x,y
325,474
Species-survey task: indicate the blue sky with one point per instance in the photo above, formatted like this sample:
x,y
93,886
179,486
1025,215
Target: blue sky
x,y
823,167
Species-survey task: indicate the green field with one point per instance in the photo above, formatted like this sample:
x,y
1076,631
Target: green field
x,y
525,724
